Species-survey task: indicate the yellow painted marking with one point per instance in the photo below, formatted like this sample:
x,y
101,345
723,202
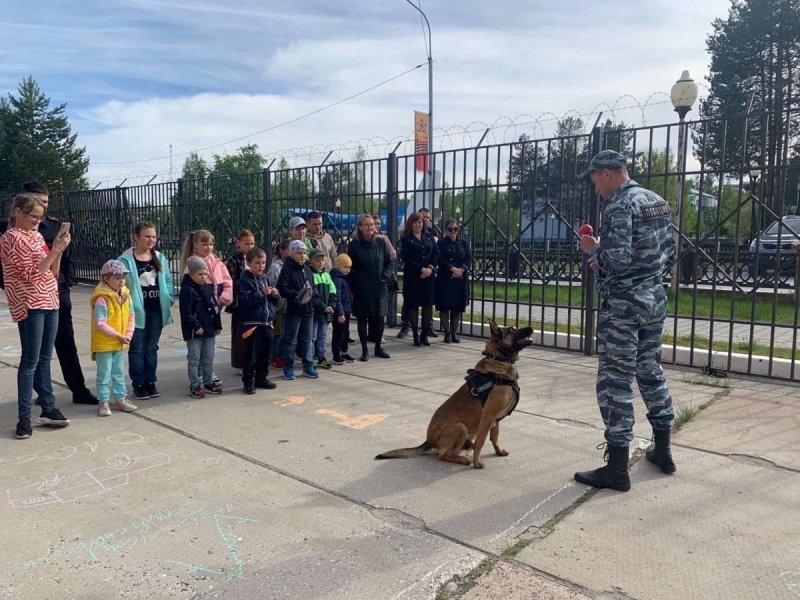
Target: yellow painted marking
x,y
363,421
333,414
292,400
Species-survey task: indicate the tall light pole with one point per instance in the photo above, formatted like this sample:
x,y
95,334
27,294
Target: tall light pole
x,y
428,171
683,96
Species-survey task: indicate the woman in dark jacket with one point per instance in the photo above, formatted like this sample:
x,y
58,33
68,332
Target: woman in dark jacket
x,y
420,257
452,281
372,268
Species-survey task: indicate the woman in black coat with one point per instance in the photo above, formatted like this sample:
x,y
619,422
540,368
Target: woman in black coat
x,y
420,257
372,268
452,281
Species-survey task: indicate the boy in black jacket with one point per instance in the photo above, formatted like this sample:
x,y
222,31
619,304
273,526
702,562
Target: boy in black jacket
x,y
256,303
296,284
342,310
200,324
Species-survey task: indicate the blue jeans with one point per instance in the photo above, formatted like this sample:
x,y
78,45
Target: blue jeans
x,y
320,330
201,360
110,375
143,351
37,334
297,327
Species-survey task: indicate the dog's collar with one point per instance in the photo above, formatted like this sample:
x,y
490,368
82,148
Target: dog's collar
x,y
491,356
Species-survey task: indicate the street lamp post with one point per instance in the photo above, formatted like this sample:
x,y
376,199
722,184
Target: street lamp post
x,y
428,183
683,96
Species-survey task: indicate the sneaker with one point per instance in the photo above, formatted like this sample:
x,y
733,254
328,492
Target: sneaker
x,y
324,363
216,381
103,410
124,405
347,358
195,391
213,388
24,429
265,384
310,372
288,373
84,397
153,390
337,360
276,363
53,417
141,391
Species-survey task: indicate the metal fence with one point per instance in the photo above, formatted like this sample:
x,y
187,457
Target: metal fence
x,y
734,296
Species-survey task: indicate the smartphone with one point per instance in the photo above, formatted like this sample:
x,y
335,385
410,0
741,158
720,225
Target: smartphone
x,y
64,228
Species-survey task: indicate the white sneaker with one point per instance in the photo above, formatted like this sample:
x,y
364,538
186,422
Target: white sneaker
x,y
103,410
124,405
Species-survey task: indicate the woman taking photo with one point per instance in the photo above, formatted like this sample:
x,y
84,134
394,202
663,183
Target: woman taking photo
x,y
372,268
31,280
452,282
420,256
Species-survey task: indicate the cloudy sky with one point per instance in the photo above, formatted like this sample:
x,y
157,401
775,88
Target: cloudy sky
x,y
139,75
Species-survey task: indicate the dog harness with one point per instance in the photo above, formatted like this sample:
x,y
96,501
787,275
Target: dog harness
x,y
480,386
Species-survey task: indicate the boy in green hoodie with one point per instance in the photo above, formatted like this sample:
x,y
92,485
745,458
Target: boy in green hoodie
x,y
324,303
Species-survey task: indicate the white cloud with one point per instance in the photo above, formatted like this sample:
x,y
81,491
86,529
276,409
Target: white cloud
x,y
142,74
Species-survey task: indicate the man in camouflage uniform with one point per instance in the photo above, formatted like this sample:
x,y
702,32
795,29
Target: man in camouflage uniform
x,y
635,248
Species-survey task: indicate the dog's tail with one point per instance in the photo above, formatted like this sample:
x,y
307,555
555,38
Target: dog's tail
x,y
406,452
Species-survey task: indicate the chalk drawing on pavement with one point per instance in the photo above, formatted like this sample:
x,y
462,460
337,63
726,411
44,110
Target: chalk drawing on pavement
x,y
231,541
54,488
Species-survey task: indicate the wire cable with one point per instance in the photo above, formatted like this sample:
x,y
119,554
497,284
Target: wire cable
x,y
274,127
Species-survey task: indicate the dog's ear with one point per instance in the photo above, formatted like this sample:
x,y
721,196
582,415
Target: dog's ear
x,y
493,327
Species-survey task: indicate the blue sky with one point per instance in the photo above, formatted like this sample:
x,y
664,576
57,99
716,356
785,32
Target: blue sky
x,y
138,75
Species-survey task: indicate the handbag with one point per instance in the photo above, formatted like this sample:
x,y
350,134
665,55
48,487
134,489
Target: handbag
x,y
392,285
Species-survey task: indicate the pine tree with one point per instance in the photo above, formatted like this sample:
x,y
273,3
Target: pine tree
x,y
755,54
36,142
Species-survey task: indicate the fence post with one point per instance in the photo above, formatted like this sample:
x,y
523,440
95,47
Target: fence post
x,y
181,212
590,276
267,214
391,224
123,218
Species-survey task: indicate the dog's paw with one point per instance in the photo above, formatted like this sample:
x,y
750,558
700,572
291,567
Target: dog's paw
x,y
501,451
478,464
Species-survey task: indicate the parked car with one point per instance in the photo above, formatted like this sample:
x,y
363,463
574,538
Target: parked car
x,y
764,248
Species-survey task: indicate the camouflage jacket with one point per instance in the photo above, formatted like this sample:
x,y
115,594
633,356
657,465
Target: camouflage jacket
x,y
636,240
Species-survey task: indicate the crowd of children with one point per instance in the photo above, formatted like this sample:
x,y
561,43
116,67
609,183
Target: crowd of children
x,y
276,312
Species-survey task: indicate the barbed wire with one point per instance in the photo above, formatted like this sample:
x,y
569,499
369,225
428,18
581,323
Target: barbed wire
x,y
502,130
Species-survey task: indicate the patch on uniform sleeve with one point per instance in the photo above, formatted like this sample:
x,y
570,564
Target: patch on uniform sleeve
x,y
653,212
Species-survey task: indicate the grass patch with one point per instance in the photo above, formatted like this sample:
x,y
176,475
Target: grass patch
x,y
684,415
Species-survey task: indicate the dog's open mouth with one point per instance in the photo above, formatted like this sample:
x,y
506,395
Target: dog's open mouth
x,y
523,337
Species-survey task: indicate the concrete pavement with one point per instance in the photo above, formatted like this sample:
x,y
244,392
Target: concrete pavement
x,y
277,496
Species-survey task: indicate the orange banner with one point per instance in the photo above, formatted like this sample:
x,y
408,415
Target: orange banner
x,y
421,140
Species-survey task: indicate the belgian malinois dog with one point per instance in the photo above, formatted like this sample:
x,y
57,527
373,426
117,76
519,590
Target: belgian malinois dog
x,y
474,410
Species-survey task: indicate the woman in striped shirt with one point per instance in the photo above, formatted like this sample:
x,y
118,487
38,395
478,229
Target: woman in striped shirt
x,y
31,280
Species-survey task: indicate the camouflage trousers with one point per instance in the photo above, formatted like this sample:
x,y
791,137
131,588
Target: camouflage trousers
x,y
629,331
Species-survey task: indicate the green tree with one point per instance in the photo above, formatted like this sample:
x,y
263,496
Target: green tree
x,y
36,142
754,56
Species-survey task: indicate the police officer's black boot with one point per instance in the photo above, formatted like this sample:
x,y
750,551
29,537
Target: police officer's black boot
x,y
659,452
614,475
